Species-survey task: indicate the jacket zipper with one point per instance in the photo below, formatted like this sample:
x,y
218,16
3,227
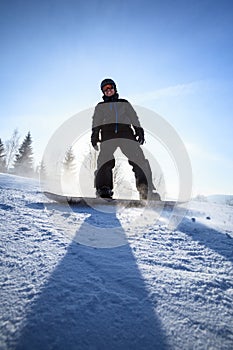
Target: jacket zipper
x,y
116,116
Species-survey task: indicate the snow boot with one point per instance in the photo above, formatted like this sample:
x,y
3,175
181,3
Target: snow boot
x,y
145,193
154,196
104,192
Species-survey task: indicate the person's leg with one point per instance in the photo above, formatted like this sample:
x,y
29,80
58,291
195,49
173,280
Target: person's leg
x,y
143,177
140,167
103,173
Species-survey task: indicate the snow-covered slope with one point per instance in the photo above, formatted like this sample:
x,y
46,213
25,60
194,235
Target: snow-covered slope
x,y
157,289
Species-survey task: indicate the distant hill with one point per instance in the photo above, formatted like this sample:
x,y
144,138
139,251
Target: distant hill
x,y
220,198
216,198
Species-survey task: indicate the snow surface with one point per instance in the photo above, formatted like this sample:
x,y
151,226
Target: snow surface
x,y
154,288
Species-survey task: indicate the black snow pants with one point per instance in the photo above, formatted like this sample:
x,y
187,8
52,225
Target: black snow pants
x,y
106,162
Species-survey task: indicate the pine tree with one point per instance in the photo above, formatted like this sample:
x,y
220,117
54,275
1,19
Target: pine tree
x,y
69,174
42,171
24,158
2,158
69,162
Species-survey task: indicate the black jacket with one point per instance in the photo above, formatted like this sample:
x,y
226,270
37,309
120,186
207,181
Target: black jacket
x,y
115,118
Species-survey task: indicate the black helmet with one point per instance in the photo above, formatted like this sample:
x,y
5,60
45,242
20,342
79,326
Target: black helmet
x,y
106,82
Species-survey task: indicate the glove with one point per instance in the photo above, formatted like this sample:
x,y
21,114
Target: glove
x,y
140,135
95,138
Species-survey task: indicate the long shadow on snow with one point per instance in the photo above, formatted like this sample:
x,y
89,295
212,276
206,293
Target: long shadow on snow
x,y
94,299
209,237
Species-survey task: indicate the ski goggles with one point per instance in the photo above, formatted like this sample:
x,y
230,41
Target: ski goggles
x,y
107,87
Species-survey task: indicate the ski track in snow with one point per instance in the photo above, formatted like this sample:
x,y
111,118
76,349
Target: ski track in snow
x,y
164,289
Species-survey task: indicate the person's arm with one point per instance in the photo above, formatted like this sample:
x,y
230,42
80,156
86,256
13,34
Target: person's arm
x,y
139,132
95,127
95,137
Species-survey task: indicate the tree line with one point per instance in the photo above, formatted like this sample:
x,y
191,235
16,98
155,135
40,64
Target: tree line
x,y
16,158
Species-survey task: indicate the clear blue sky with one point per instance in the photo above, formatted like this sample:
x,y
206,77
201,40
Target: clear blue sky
x,y
174,57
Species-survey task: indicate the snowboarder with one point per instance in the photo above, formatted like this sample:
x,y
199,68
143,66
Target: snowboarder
x,y
116,124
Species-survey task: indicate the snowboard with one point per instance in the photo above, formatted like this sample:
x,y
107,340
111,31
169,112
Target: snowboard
x,y
93,201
